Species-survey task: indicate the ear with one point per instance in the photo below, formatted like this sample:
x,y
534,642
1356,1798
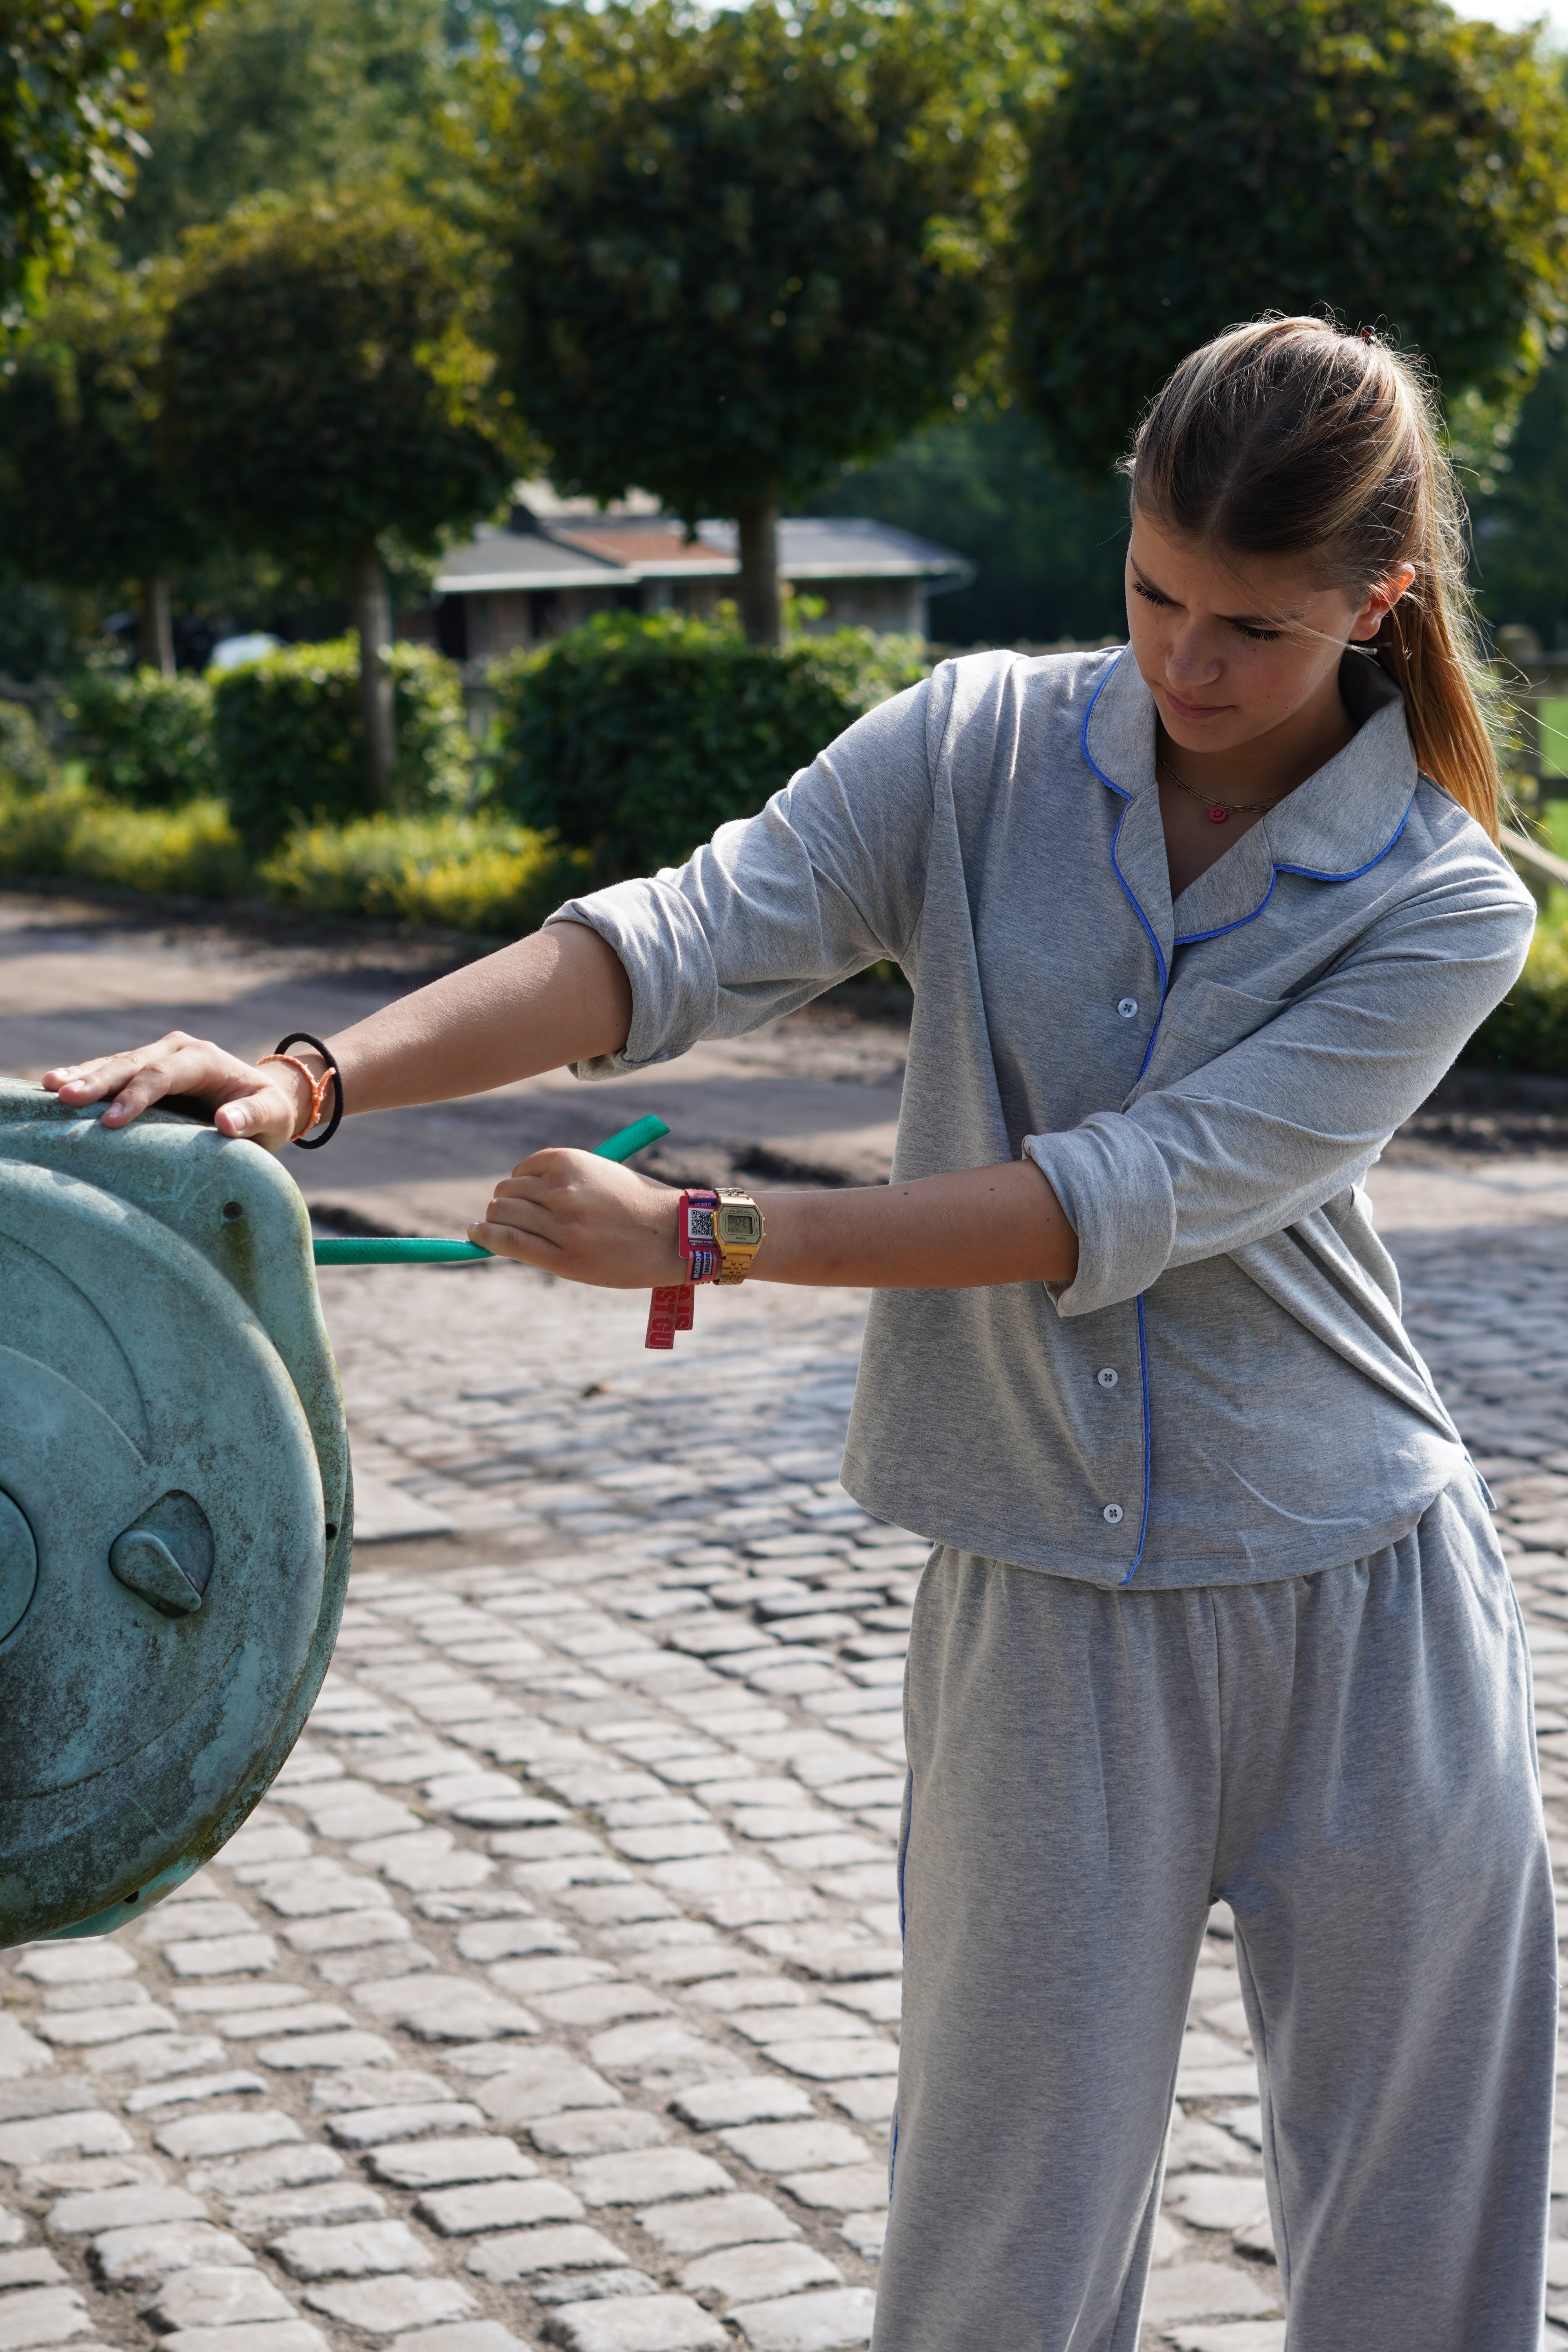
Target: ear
x,y
1380,600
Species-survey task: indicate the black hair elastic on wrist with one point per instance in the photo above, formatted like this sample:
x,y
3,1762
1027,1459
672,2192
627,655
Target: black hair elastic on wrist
x,y
303,1038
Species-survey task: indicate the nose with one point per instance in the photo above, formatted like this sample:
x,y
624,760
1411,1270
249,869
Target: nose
x,y
1190,662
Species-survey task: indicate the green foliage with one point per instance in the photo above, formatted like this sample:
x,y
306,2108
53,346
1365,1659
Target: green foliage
x,y
1521,527
146,739
1529,1031
83,502
748,246
70,830
320,379
191,852
457,873
290,740
72,103
1204,160
25,763
286,96
1048,553
634,738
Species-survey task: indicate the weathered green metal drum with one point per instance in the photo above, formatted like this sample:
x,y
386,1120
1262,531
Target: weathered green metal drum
x,y
175,1513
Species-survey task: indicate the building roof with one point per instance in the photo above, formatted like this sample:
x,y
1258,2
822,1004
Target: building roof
x,y
621,549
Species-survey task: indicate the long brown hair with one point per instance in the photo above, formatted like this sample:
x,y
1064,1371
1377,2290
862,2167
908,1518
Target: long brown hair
x,y
1290,435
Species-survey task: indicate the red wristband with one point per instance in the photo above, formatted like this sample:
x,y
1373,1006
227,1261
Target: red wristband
x,y
669,1308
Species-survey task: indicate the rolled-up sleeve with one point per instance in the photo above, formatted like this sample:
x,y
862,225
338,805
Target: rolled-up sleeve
x,y
827,878
1247,1143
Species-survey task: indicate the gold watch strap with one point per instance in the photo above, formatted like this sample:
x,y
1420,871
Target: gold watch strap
x,y
738,1229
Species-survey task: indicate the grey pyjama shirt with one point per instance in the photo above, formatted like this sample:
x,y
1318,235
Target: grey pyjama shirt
x,y
1205,1083
1215,1608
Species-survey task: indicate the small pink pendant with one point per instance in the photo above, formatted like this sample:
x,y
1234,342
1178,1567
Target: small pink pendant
x,y
1218,815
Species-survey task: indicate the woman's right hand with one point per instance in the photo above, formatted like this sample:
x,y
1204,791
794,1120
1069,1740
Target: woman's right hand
x,y
267,1106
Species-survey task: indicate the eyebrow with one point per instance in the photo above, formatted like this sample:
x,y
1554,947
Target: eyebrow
x,y
1236,620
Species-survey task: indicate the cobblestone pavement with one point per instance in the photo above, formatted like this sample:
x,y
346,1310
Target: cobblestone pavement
x,y
551,1997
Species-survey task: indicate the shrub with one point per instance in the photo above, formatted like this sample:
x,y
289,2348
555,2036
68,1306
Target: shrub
x,y
193,852
35,829
1529,1031
25,763
634,737
190,852
291,748
464,873
146,739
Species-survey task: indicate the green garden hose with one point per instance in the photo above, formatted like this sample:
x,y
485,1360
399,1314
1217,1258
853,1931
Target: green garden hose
x,y
404,1250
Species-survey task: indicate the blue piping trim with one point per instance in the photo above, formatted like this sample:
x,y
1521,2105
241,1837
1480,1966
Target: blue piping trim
x,y
1125,797
1308,873
1143,1376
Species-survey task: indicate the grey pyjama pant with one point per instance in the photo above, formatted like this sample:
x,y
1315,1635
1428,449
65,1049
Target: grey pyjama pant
x,y
1348,1759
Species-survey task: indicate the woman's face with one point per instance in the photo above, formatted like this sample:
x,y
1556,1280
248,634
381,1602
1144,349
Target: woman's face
x,y
1234,647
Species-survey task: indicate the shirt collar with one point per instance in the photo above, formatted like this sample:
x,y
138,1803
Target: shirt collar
x,y
1331,828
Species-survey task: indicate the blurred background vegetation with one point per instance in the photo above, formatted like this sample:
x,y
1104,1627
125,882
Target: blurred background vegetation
x,y
293,291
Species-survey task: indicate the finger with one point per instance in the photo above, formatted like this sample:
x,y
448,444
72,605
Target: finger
x,y
145,1086
510,1241
555,1160
268,1117
90,1081
525,1217
524,1188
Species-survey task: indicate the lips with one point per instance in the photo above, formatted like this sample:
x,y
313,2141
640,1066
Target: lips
x,y
1194,710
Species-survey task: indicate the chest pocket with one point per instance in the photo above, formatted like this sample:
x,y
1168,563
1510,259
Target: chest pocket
x,y
1202,1019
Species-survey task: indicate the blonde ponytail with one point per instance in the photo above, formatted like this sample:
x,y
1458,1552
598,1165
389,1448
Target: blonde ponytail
x,y
1290,437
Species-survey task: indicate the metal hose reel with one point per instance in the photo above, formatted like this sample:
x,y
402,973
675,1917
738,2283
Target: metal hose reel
x,y
174,1498
175,1503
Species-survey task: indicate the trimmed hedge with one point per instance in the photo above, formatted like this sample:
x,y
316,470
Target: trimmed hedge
x,y
634,737
460,872
457,873
191,852
291,748
145,740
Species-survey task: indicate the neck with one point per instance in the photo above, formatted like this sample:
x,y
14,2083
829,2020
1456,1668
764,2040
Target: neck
x,y
1268,765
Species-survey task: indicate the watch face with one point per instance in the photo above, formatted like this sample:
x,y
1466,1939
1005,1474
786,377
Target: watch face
x,y
739,1228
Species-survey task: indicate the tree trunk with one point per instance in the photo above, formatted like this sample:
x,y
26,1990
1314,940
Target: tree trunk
x,y
155,629
371,611
758,522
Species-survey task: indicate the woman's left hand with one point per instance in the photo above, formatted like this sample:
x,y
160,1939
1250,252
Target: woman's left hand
x,y
585,1219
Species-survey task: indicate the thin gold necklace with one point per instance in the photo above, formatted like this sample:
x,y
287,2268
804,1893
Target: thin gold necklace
x,y
1215,811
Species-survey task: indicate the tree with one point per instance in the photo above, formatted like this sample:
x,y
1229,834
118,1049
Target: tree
x,y
83,501
72,103
747,249
1520,519
287,97
1048,553
1201,161
321,385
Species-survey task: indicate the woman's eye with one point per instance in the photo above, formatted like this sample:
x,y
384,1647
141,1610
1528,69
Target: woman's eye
x,y
1150,595
1260,636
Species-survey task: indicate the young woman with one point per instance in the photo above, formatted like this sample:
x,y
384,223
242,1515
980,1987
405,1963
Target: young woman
x,y
1214,1607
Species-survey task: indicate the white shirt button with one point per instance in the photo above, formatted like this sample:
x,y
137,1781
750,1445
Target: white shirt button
x,y
1113,1515
1107,1378
1127,1007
